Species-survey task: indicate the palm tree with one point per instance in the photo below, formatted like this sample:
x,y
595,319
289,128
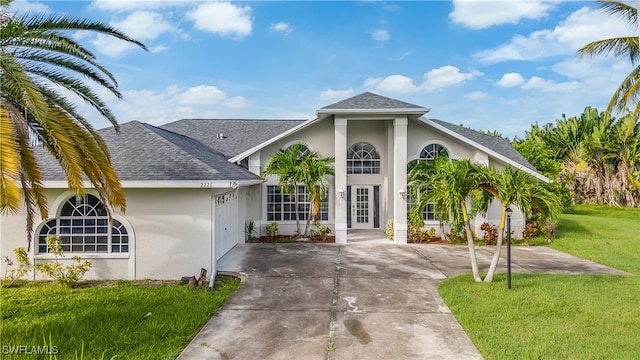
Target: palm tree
x,y
515,187
626,95
285,164
314,171
38,60
449,187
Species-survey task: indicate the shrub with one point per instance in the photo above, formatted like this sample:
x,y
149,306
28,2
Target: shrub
x,y
249,230
389,230
530,231
68,275
490,236
272,230
417,234
320,231
23,269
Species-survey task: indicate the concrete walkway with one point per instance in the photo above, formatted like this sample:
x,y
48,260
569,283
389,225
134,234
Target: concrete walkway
x,y
363,300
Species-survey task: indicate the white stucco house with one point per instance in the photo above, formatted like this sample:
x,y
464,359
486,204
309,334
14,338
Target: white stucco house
x,y
192,184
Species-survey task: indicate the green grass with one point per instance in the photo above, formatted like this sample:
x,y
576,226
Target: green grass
x,y
561,316
141,320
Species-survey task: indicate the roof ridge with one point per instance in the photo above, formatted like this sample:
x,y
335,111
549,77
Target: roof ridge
x,y
190,156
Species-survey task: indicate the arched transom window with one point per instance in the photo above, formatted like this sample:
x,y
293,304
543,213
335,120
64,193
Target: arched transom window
x,y
83,226
432,151
304,149
362,158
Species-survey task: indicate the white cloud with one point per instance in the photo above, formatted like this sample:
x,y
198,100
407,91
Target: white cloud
x,y
480,14
511,79
435,79
19,7
380,35
222,18
578,29
331,94
175,102
139,25
282,27
128,5
538,83
398,84
206,95
476,95
447,76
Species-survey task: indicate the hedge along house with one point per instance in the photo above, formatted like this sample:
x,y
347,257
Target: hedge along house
x,y
192,184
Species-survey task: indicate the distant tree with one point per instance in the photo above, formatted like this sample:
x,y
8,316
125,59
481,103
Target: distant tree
x,y
39,65
594,156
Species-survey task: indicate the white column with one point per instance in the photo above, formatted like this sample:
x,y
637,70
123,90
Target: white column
x,y
399,180
340,133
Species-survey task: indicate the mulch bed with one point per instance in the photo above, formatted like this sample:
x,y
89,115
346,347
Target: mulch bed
x,y
286,239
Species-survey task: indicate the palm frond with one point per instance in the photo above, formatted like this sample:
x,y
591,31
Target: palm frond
x,y
9,164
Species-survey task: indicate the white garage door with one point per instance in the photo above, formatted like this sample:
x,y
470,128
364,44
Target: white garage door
x,y
227,229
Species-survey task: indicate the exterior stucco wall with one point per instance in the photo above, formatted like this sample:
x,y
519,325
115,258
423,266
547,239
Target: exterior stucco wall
x,y
170,233
318,137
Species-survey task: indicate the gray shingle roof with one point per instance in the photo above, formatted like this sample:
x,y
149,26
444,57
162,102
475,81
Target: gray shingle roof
x,y
145,152
370,101
240,134
497,144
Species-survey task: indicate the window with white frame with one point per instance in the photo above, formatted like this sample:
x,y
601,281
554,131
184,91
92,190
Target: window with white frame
x,y
363,158
431,151
84,227
428,213
282,207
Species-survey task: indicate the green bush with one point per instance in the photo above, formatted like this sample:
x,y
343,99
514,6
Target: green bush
x,y
319,230
68,275
272,230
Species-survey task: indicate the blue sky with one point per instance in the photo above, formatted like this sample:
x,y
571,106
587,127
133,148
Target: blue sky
x,y
490,65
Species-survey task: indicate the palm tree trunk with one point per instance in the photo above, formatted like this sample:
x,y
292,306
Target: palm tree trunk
x,y
472,247
295,202
498,249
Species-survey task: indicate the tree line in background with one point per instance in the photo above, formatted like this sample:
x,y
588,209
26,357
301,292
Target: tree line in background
x,y
594,157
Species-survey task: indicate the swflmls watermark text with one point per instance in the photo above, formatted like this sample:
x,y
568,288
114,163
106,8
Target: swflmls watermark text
x,y
29,350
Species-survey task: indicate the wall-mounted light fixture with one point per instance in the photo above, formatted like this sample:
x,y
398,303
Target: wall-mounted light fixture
x,y
402,194
341,193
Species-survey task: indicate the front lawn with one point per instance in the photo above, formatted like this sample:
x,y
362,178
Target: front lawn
x,y
103,320
561,316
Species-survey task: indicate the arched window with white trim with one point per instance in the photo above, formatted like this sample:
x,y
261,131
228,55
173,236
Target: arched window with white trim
x,y
84,227
363,158
431,151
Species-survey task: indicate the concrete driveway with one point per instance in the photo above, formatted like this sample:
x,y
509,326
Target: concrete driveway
x,y
368,300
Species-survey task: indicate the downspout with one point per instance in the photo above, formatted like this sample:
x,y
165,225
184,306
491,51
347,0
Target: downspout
x,y
212,278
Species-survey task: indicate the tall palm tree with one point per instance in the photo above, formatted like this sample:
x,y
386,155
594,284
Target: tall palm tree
x,y
449,188
627,93
515,187
38,61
